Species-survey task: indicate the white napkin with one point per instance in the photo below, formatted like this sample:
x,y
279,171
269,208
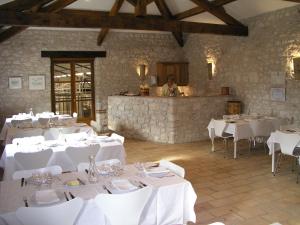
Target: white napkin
x,y
122,185
157,170
46,197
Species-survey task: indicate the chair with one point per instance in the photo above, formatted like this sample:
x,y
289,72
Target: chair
x,y
22,123
81,154
219,127
121,209
33,160
288,145
18,133
261,130
65,213
54,170
117,137
81,167
172,167
51,134
28,140
44,121
96,126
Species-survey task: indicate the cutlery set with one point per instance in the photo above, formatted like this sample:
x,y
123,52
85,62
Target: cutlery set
x,y
66,196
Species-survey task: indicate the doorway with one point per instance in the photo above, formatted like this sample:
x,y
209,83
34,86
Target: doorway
x,y
72,88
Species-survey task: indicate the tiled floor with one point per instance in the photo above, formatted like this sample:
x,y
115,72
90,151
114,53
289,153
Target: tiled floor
x,y
235,192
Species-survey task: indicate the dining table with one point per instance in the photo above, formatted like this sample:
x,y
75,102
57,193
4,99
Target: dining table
x,y
171,202
110,148
239,127
274,146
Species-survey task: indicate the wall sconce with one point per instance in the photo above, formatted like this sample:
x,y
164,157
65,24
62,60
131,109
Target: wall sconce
x,y
210,68
141,70
293,70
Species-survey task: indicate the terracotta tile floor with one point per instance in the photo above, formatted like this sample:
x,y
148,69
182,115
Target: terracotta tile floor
x,y
235,192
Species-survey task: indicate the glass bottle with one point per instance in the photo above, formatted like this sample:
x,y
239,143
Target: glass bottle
x,y
93,171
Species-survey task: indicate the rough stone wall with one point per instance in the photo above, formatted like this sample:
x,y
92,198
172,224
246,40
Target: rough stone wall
x,y
166,120
252,65
21,56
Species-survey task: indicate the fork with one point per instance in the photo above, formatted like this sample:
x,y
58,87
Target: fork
x,y
25,201
105,188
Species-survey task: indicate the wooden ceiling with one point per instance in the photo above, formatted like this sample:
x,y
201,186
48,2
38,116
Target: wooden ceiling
x,y
18,15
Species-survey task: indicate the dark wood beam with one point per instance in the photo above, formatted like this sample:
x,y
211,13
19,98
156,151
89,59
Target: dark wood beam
x,y
114,10
297,1
140,8
166,13
54,7
197,10
218,12
20,5
73,54
117,22
133,2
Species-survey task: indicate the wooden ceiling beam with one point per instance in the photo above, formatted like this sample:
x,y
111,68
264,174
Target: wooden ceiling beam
x,y
166,13
54,7
218,12
117,22
114,10
297,1
20,5
134,2
198,10
140,8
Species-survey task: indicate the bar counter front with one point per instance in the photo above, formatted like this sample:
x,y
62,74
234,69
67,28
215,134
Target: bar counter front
x,y
164,119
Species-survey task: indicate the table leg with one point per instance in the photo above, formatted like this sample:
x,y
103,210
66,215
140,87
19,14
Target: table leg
x,y
212,144
273,157
235,149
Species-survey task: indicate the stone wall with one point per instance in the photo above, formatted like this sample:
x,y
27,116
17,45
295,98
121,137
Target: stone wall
x,y
163,119
21,56
252,65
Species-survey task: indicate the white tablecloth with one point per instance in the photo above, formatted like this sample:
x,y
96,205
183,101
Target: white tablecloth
x,y
61,118
109,149
172,201
241,129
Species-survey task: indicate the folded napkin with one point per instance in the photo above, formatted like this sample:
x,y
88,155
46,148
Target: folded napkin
x,y
158,172
46,197
122,186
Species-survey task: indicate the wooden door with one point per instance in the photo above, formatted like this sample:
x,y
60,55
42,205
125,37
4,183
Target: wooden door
x,y
72,86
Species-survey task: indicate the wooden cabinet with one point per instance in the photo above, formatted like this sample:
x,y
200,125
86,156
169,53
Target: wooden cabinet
x,y
179,70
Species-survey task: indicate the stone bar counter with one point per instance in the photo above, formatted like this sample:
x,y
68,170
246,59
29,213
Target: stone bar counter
x,y
164,119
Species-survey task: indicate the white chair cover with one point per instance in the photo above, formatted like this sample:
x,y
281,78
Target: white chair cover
x,y
20,133
219,127
33,160
121,209
288,142
261,128
95,126
81,154
22,123
69,130
51,134
54,170
85,166
28,140
44,121
172,167
118,137
59,214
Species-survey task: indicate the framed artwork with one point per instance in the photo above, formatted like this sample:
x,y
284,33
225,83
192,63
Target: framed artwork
x,y
37,82
278,94
15,82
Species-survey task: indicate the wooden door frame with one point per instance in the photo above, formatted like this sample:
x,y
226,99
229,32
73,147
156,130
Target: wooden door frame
x,y
72,61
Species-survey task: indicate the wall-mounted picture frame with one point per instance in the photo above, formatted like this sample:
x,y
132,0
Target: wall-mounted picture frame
x,y
278,94
36,82
15,83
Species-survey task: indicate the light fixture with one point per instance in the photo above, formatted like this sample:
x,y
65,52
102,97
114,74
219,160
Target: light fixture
x,y
210,68
142,70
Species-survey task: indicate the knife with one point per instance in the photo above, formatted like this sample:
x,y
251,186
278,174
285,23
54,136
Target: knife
x,y
66,196
80,181
72,196
105,188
